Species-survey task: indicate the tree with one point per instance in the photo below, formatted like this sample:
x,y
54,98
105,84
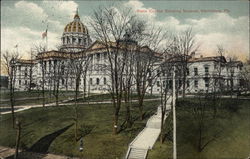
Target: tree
x,y
39,51
245,76
18,137
165,91
146,59
218,86
78,65
109,25
31,69
9,60
185,44
204,123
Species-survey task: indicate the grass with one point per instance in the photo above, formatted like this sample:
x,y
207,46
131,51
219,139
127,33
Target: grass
x,y
33,97
231,125
98,144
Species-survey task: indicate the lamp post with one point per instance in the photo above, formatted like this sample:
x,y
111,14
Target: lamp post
x,y
174,118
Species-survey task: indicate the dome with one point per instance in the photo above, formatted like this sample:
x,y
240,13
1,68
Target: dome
x,y
75,36
76,26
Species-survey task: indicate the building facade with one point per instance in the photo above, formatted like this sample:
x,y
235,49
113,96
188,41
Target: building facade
x,y
202,73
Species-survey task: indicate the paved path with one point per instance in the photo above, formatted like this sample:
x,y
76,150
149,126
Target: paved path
x,y
146,139
25,107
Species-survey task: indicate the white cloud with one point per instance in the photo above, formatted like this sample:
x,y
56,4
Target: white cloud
x,y
219,28
30,8
25,38
65,10
138,8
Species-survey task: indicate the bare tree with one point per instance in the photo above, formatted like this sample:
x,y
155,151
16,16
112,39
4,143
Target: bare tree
x,y
9,60
165,91
110,25
79,63
245,76
18,137
146,59
31,70
203,120
185,44
39,51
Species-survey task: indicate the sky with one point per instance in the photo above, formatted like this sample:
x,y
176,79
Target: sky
x,y
214,23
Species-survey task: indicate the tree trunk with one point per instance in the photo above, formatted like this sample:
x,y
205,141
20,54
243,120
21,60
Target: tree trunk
x,y
200,140
184,84
12,98
141,108
17,139
128,116
115,126
162,131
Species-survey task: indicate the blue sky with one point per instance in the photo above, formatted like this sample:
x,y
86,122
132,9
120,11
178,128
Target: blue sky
x,y
224,22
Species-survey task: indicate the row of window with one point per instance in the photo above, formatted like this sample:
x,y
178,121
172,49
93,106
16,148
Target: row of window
x,y
97,81
196,83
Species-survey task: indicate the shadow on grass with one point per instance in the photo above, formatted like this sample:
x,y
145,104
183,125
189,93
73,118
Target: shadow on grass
x,y
43,144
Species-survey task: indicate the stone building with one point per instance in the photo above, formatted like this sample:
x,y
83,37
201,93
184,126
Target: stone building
x,y
77,44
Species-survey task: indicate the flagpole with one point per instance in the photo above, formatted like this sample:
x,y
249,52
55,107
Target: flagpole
x,y
47,37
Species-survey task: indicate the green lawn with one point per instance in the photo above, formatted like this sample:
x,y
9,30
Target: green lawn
x,y
33,97
98,144
231,127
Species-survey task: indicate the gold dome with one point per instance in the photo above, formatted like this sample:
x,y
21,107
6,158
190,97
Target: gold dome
x,y
76,26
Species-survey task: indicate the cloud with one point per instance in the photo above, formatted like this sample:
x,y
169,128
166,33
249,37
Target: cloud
x,y
25,38
210,31
220,22
138,8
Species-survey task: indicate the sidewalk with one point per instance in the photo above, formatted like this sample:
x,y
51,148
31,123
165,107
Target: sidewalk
x,y
22,108
147,137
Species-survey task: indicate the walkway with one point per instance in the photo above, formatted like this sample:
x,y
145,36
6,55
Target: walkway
x,y
146,139
25,107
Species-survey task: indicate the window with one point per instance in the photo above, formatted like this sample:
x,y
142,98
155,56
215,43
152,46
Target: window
x,y
19,68
206,82
187,71
19,82
49,65
180,83
80,41
98,57
97,81
62,81
158,83
90,81
196,83
104,80
195,71
206,70
25,82
170,83
105,56
188,83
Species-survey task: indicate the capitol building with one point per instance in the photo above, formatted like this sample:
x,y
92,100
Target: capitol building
x,y
76,43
